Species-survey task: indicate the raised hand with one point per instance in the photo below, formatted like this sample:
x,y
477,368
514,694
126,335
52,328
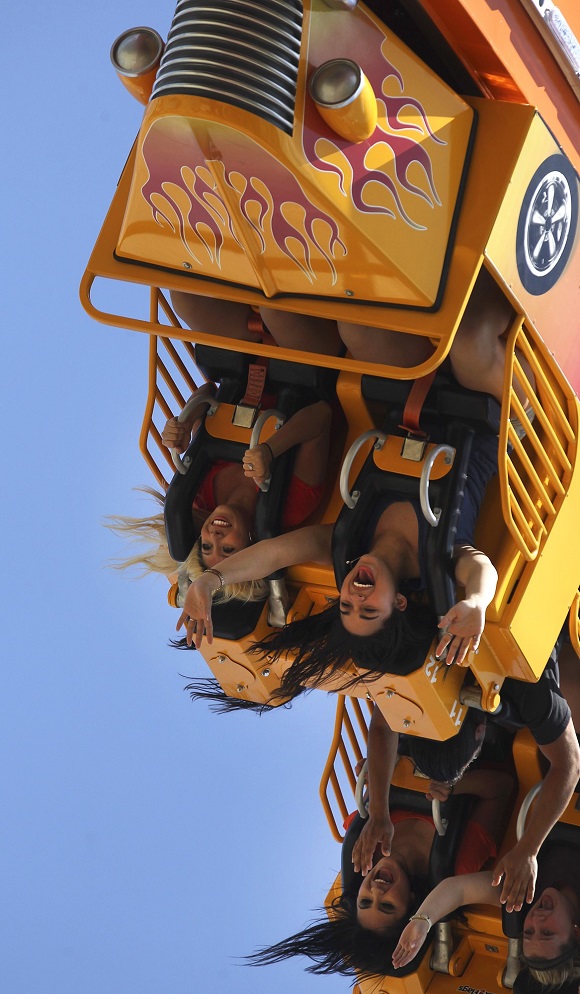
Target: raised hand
x,y
196,615
377,829
519,870
463,625
412,938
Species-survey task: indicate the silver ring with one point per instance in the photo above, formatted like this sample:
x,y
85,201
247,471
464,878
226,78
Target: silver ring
x,y
250,465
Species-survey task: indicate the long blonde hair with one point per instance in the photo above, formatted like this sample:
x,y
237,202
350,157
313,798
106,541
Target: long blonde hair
x,y
554,977
156,558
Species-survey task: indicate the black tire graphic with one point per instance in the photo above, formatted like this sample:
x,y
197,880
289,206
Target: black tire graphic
x,y
547,224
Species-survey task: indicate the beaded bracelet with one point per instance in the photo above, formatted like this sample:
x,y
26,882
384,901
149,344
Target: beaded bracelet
x,y
219,575
421,917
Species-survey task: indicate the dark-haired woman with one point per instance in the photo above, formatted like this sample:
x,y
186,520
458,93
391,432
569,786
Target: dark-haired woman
x,y
227,498
365,931
374,622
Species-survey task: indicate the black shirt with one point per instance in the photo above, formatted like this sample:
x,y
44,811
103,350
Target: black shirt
x,y
538,706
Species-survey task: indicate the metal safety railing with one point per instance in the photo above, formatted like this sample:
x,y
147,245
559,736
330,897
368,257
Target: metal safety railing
x,y
173,376
534,471
348,747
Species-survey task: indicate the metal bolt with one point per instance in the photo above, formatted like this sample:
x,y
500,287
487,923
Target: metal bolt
x,y
390,693
355,494
496,687
406,723
447,460
240,687
266,672
221,659
187,265
368,696
349,293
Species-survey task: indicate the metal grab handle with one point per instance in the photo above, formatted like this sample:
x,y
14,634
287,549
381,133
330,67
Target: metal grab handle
x,y
255,438
431,516
361,800
203,395
439,822
526,805
348,498
278,603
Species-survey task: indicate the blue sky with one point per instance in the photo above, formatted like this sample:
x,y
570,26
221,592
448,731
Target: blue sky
x,y
145,842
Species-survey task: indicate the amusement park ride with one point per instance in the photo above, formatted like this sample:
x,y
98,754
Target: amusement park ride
x,y
365,162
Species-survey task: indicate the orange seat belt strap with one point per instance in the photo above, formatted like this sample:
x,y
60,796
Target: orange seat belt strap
x,y
255,385
414,405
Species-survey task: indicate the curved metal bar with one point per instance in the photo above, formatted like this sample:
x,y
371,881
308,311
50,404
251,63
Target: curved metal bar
x,y
361,801
348,498
526,805
255,438
439,822
204,395
431,516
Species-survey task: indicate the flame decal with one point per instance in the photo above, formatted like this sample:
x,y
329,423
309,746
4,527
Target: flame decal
x,y
195,201
404,151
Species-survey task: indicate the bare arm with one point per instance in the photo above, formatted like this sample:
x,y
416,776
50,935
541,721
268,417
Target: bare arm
x,y
519,866
382,756
450,894
312,544
466,619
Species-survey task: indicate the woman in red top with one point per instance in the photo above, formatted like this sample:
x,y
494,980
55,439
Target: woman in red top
x,y
368,929
227,500
229,493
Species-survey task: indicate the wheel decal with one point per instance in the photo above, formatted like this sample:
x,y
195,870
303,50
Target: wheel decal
x,y
547,224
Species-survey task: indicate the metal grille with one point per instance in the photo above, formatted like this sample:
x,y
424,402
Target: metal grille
x,y
241,52
348,747
535,474
173,376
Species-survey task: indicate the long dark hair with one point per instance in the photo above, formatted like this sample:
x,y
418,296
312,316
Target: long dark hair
x,y
447,761
338,944
208,689
323,647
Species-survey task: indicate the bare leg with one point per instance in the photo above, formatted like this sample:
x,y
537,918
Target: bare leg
x,y
382,345
478,352
211,316
302,332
